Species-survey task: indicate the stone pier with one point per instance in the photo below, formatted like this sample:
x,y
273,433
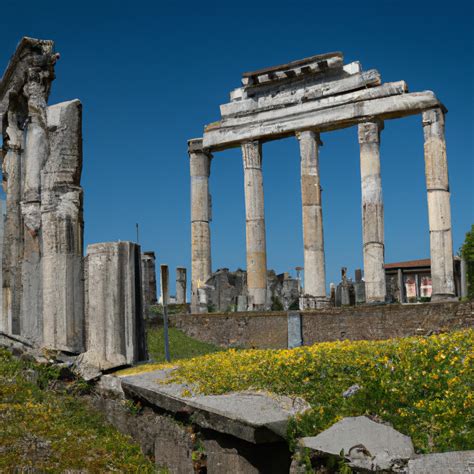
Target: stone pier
x,y
313,238
255,225
181,279
13,231
200,163
114,305
439,208
62,230
372,211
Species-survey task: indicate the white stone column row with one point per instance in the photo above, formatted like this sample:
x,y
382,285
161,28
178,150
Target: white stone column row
x,y
313,235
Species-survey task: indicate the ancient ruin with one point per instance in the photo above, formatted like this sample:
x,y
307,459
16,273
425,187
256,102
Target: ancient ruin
x,y
44,299
42,246
305,98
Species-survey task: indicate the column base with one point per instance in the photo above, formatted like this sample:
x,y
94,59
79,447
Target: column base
x,y
444,298
314,302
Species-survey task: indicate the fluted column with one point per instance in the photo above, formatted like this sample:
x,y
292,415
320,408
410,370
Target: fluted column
x,y
255,225
200,163
439,208
372,211
313,238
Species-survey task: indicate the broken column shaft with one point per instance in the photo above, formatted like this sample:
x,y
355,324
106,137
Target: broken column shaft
x,y
180,285
255,225
439,208
313,238
114,305
372,211
200,163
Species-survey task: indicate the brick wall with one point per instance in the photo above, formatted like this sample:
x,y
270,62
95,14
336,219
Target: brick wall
x,y
270,329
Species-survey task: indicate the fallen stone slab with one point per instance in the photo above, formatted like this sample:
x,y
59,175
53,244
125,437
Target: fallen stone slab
x,y
367,444
454,462
256,417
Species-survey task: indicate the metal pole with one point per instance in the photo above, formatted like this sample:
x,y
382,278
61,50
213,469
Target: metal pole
x,y
138,236
164,277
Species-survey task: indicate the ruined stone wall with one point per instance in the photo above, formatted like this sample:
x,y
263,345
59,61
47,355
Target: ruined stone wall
x,y
270,330
42,295
251,329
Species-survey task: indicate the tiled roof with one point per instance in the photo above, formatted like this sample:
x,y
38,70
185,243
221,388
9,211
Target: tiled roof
x,y
425,262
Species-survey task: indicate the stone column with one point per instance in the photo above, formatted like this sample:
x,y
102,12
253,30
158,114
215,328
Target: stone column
x,y
313,238
62,230
114,305
372,211
181,285
36,90
401,289
149,278
13,231
200,163
255,225
439,208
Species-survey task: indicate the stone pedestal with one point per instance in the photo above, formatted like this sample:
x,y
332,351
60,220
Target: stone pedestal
x,y
200,164
439,208
181,280
255,225
114,305
313,238
372,211
314,302
359,288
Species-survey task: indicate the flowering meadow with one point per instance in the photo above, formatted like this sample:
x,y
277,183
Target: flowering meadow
x,y
423,386
47,428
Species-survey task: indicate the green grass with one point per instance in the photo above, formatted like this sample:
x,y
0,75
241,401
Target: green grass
x,y
181,346
51,430
422,385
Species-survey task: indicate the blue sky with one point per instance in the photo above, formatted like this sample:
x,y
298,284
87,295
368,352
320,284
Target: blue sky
x,y
151,74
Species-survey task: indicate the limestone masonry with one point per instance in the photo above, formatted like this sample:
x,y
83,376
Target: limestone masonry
x,y
305,98
44,300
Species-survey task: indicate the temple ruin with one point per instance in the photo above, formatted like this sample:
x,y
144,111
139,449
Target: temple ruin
x,y
305,98
51,295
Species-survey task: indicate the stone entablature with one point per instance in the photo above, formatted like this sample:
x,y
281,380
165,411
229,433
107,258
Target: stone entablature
x,y
305,98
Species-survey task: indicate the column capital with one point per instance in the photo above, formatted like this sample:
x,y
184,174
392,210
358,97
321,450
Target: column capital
x,y
369,132
309,133
252,154
195,146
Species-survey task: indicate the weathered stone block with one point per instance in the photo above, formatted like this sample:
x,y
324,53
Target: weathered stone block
x,y
366,444
114,305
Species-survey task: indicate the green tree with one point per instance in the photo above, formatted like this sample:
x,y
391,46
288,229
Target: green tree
x,y
467,253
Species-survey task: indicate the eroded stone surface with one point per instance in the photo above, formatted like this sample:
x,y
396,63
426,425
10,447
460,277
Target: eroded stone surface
x,y
366,444
456,462
114,306
256,417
